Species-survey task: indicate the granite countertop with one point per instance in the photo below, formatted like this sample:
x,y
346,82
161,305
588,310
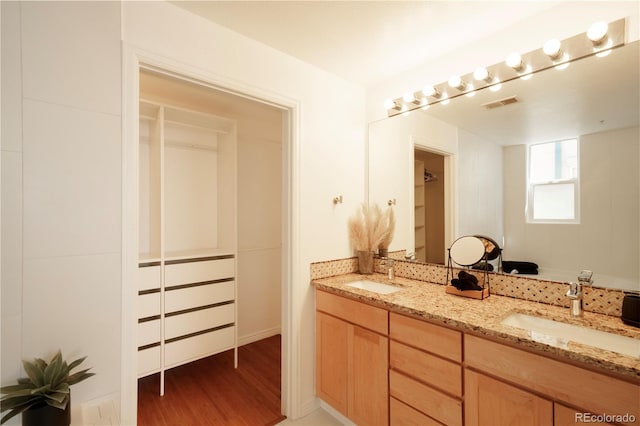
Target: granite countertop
x,y
483,317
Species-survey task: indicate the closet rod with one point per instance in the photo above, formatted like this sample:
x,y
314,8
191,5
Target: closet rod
x,y
189,145
197,126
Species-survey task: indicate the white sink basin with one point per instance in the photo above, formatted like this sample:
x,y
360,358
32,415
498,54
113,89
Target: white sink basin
x,y
560,334
374,287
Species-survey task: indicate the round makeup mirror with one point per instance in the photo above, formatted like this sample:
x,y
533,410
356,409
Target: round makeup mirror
x,y
467,251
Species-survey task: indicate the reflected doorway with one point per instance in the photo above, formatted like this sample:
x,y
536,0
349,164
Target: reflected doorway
x,y
429,212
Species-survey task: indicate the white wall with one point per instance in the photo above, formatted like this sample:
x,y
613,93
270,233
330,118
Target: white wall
x,y
69,201
259,225
606,239
61,188
563,20
330,140
479,187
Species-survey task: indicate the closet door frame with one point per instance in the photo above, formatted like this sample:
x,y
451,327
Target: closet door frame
x,y
133,60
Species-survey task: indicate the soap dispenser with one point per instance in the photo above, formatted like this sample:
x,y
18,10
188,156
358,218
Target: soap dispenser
x,y
390,271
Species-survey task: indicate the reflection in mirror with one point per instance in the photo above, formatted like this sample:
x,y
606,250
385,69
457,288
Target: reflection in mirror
x,y
485,152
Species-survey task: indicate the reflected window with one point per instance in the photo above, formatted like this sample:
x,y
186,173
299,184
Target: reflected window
x,y
553,182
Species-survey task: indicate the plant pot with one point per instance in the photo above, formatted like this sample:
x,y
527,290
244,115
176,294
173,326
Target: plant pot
x,y
365,262
46,415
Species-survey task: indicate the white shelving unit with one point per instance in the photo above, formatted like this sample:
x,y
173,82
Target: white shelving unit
x,y
188,237
419,213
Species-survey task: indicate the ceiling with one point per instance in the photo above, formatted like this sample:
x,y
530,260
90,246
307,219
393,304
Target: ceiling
x,y
365,41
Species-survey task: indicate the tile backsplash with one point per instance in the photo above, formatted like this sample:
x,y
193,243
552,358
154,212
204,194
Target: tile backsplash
x,y
595,299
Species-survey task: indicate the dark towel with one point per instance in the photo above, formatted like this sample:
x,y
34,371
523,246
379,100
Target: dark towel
x,y
482,266
521,267
465,281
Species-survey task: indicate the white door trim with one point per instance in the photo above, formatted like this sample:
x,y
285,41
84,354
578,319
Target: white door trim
x,y
132,60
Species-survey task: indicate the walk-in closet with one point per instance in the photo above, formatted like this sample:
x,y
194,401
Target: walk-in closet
x,y
210,220
429,198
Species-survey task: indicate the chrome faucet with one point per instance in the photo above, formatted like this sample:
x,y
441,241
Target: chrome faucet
x,y
575,293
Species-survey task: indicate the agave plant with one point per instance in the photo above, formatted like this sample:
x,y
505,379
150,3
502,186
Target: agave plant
x,y
46,384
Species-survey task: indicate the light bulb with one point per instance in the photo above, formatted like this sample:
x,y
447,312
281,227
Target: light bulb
x,y
388,104
598,32
429,91
481,74
456,82
514,60
552,48
408,97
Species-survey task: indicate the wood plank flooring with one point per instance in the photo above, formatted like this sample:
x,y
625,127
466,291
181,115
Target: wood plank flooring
x,y
211,392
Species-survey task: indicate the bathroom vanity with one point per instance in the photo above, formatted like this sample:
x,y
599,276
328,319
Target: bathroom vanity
x,y
421,356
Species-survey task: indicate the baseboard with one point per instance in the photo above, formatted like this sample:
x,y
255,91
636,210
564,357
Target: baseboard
x,y
308,407
335,414
254,337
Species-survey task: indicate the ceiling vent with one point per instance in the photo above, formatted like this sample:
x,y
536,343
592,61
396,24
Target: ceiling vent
x,y
501,102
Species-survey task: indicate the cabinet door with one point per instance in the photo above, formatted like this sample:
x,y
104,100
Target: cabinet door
x,y
565,416
332,337
368,382
491,402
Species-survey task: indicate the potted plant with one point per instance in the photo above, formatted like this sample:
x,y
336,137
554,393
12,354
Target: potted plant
x,y
370,230
44,396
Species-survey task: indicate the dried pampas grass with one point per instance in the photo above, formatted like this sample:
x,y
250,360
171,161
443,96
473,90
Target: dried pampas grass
x,y
358,232
389,221
370,228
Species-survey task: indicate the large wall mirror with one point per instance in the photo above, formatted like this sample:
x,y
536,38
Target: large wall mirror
x,y
476,162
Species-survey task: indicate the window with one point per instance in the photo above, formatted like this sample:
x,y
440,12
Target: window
x,y
553,182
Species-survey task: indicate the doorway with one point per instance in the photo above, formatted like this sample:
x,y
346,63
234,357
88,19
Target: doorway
x,y
429,198
264,260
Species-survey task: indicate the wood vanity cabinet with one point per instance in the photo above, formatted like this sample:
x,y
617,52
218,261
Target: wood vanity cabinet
x,y
352,358
567,416
425,376
506,385
492,402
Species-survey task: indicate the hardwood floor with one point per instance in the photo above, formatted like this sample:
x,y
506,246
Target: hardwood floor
x,y
211,392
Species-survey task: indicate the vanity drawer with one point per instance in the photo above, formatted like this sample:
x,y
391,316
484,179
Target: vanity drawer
x,y
201,295
598,393
367,316
148,305
437,372
402,414
148,277
197,272
195,321
435,404
432,338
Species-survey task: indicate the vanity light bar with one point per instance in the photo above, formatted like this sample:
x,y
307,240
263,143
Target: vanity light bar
x,y
600,38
